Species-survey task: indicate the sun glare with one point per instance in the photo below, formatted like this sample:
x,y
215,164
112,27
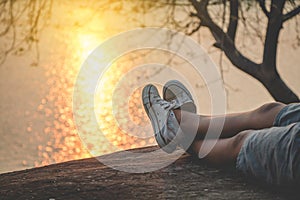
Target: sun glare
x,y
118,111
87,43
75,49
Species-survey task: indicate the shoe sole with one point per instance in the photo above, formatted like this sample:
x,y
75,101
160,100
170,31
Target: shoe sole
x,y
159,139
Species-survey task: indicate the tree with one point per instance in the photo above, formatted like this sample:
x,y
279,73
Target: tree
x,y
20,22
223,26
266,71
277,12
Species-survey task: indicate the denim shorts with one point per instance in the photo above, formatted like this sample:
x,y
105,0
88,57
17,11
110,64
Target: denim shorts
x,y
273,154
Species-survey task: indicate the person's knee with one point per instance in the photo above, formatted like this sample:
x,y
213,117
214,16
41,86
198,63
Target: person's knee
x,y
238,141
265,115
270,107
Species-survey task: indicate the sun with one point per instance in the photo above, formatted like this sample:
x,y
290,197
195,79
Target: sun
x,y
88,42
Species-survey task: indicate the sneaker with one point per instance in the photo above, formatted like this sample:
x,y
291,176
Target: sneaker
x,y
162,118
175,90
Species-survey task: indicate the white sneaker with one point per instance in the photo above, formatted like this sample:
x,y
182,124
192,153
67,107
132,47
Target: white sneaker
x,y
175,90
162,118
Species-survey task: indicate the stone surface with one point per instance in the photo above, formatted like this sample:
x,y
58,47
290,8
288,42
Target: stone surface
x,y
186,178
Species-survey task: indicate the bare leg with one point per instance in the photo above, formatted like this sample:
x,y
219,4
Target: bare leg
x,y
225,151
262,117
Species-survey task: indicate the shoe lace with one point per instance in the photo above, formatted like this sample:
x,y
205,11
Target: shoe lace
x,y
165,104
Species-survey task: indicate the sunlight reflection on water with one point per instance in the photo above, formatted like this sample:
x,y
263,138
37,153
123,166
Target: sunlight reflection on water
x,y
57,105
65,143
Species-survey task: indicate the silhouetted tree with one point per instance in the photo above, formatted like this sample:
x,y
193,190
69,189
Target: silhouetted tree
x,y
187,16
266,71
223,24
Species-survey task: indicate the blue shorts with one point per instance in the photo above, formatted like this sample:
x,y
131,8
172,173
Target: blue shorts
x,y
273,154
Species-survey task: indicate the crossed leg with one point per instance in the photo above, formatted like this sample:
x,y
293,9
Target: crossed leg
x,y
235,129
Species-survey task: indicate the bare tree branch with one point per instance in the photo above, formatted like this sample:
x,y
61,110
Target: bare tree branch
x,y
194,30
227,45
17,37
272,34
262,4
291,14
233,19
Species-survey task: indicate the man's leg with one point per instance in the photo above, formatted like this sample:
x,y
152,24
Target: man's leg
x,y
262,117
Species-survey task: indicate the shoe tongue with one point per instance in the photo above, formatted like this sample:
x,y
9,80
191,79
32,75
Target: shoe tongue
x,y
186,104
182,98
172,126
